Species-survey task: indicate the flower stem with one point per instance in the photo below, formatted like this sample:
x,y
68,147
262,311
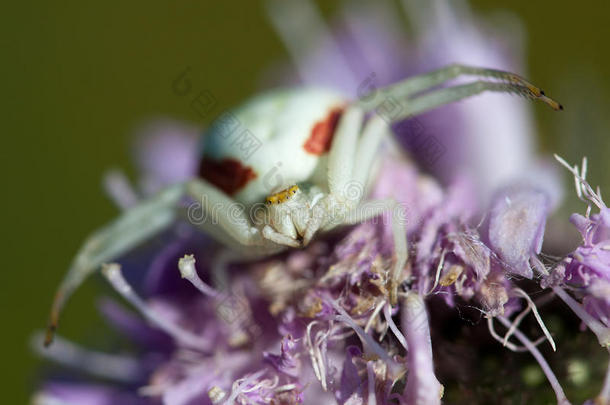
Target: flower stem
x,y
602,332
561,396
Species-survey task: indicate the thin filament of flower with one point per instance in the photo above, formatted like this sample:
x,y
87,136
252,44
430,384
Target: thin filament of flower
x,y
373,316
439,268
393,327
582,186
537,316
546,369
317,362
515,324
270,384
113,274
239,386
602,332
367,341
509,345
321,353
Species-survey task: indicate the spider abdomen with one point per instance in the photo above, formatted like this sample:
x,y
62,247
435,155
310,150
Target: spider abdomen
x,y
271,142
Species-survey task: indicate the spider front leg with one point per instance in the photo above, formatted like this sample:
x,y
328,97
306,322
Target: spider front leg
x,y
347,184
427,81
368,147
340,173
354,189
147,219
375,208
417,93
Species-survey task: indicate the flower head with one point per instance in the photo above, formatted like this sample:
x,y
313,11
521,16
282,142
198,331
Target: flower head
x,y
587,269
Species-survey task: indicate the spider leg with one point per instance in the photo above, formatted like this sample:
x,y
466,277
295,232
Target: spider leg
x,y
346,179
223,212
147,219
375,131
434,78
349,167
344,192
374,208
437,98
411,89
341,159
429,80
353,159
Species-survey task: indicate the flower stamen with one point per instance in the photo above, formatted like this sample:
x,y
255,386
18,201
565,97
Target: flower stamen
x,y
113,274
186,265
388,316
532,306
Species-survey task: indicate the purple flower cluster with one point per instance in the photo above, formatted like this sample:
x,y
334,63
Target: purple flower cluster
x,y
317,325
586,271
311,326
320,325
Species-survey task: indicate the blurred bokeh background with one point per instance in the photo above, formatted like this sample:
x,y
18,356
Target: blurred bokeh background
x,y
78,77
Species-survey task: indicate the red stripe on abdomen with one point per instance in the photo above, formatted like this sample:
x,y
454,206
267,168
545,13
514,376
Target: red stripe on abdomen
x,y
321,138
229,174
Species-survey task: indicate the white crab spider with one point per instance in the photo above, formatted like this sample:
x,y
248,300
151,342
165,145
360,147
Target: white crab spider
x,y
325,146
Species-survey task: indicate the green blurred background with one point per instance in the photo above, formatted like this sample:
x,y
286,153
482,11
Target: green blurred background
x,y
78,76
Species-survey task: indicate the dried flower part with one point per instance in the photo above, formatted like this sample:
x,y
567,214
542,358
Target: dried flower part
x,y
216,394
493,295
451,275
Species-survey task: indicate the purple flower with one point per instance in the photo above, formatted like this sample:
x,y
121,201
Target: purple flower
x,y
588,266
586,270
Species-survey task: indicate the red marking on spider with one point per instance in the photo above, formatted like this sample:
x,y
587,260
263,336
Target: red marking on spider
x,y
229,174
322,133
